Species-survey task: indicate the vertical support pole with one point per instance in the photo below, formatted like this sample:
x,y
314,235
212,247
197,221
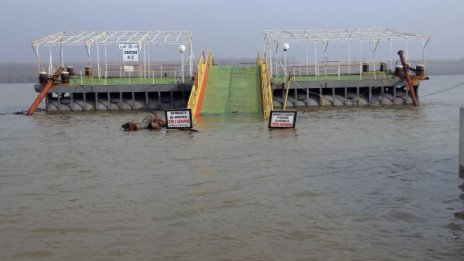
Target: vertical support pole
x,y
98,62
391,54
96,101
106,64
50,61
270,59
349,58
120,100
61,54
133,101
190,58
149,62
183,73
276,66
361,64
325,59
307,97
316,66
346,95
71,104
171,99
59,101
307,58
370,95
84,96
146,100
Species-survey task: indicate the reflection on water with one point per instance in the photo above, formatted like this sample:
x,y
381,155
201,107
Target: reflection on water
x,y
346,184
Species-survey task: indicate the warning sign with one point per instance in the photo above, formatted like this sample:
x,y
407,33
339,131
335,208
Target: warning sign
x,y
282,119
178,119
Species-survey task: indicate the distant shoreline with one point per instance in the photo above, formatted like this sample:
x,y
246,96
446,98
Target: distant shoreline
x,y
26,72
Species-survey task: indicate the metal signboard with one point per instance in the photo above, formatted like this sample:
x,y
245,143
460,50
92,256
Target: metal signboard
x,y
282,119
130,52
128,68
178,119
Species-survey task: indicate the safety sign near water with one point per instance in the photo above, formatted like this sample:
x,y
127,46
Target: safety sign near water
x,y
282,119
178,119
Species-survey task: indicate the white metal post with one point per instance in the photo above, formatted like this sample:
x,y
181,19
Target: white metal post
x,y
61,54
50,61
316,66
361,64
106,64
98,62
391,54
270,57
349,58
190,58
183,76
307,58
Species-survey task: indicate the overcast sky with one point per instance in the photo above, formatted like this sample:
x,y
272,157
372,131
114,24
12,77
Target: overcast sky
x,y
231,28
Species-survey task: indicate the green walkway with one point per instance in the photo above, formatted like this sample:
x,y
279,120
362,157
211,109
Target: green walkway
x,y
232,89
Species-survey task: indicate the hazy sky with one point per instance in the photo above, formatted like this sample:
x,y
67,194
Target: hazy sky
x,y
231,28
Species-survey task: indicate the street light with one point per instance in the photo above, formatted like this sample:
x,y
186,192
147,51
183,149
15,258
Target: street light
x,y
285,47
182,50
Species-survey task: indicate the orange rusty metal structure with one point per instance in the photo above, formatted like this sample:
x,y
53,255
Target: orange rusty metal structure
x,y
408,78
44,91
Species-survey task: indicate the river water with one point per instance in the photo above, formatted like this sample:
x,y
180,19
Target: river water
x,y
369,183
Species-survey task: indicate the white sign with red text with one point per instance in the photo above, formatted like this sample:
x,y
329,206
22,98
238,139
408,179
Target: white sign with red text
x,y
178,119
282,119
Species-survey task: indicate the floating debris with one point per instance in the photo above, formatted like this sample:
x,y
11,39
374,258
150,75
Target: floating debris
x,y
459,215
153,122
131,126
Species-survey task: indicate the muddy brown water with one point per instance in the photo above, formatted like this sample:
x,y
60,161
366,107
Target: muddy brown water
x,y
370,183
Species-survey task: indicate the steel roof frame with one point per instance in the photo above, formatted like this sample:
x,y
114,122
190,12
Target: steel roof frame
x,y
109,38
341,35
349,36
113,38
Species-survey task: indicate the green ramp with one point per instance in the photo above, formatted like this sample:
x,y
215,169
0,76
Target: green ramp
x,y
232,89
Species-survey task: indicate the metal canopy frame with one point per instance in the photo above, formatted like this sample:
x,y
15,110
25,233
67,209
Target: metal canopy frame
x,y
114,38
110,38
349,36
341,35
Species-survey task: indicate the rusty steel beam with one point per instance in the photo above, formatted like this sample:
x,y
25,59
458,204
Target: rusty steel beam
x,y
44,91
408,78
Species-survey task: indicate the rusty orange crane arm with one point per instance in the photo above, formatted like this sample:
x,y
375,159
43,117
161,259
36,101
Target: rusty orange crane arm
x,y
408,78
44,91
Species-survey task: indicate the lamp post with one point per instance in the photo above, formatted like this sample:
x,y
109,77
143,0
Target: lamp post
x,y
285,47
182,50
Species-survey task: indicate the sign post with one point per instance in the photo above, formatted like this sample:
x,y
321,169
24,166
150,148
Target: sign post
x,y
282,119
178,119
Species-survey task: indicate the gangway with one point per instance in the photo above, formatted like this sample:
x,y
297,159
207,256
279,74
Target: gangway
x,y
232,89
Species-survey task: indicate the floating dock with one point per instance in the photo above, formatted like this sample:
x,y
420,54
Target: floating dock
x,y
136,82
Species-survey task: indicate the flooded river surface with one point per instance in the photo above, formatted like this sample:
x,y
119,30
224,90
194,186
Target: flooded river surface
x,y
367,183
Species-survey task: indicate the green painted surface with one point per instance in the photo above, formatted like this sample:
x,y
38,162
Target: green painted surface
x,y
232,89
122,81
333,77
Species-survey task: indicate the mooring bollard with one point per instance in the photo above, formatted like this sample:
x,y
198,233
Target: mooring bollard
x,y
461,140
